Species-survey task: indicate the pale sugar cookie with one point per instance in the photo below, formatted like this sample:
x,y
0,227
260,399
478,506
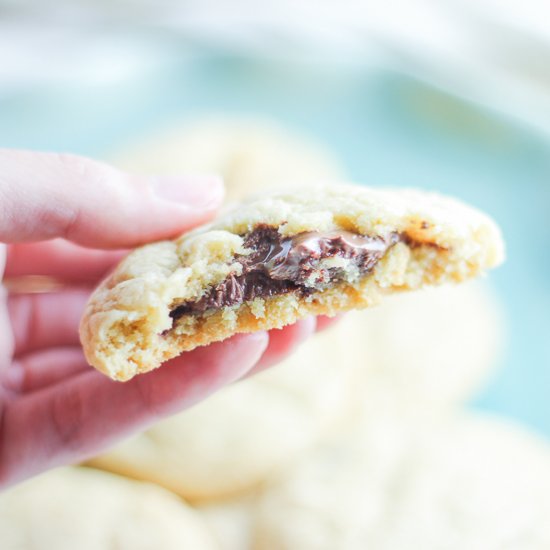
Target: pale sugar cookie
x,y
276,259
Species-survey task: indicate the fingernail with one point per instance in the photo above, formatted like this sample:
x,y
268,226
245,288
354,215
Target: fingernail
x,y
204,192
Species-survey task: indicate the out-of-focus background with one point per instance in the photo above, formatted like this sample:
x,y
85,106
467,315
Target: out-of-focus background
x,y
452,96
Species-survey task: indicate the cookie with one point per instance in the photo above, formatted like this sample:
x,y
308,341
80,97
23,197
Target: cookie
x,y
250,154
471,482
435,348
92,510
230,521
432,349
274,260
231,442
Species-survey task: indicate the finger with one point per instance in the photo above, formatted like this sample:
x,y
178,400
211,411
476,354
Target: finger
x,y
47,195
46,320
324,321
282,342
62,260
6,340
6,335
38,370
74,420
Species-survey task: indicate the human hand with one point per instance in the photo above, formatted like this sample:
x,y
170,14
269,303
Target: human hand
x,y
63,216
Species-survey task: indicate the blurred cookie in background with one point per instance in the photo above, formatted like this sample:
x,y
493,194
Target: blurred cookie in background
x,y
251,154
230,521
233,440
470,482
82,508
435,348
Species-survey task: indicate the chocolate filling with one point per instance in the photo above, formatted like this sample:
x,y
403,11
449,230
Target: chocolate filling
x,y
278,265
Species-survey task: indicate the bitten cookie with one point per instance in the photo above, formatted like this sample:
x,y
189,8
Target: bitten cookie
x,y
87,509
277,259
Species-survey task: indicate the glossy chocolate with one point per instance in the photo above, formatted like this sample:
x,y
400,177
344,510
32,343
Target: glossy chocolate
x,y
277,265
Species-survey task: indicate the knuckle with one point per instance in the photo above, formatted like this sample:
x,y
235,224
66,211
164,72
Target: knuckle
x,y
74,163
88,172
98,190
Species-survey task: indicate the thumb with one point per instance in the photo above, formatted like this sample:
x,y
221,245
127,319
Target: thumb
x,y
46,195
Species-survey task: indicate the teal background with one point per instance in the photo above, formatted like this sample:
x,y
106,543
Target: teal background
x,y
388,128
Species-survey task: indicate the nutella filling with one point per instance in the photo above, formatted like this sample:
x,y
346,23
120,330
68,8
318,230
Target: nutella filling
x,y
278,265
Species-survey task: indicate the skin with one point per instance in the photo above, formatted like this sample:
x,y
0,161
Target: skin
x,y
71,218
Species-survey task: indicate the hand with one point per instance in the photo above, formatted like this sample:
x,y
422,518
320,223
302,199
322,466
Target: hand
x,y
54,408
